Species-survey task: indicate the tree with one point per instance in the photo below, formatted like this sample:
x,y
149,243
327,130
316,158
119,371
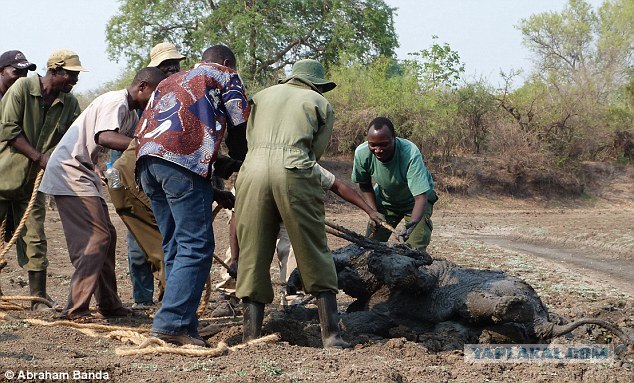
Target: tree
x,y
475,101
576,94
438,65
562,41
266,35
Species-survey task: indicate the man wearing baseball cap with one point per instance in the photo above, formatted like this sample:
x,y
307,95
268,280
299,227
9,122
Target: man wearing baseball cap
x,y
165,56
34,115
13,65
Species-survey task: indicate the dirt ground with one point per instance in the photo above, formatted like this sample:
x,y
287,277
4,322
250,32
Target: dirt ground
x,y
576,254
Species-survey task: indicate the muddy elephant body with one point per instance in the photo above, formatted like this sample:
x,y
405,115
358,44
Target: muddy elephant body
x,y
395,290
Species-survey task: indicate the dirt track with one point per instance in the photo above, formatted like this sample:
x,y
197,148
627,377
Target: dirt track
x,y
473,232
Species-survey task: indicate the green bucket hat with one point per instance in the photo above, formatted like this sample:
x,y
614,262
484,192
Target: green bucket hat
x,y
310,71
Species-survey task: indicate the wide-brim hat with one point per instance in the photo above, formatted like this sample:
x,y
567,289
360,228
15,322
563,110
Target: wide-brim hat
x,y
311,71
162,52
66,59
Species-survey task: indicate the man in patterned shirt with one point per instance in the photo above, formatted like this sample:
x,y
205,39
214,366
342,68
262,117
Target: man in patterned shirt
x,y
178,139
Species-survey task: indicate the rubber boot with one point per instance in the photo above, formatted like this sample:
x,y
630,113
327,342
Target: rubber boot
x,y
329,321
253,317
37,286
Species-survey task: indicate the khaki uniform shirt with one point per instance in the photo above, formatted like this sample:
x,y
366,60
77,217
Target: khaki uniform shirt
x,y
301,132
22,112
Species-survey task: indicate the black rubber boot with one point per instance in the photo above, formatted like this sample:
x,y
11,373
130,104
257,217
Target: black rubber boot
x,y
253,317
37,287
329,321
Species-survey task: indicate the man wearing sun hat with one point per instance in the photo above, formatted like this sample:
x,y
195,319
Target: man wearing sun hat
x,y
34,115
287,132
165,56
13,65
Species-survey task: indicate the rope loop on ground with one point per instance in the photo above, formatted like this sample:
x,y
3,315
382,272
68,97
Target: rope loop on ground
x,y
144,344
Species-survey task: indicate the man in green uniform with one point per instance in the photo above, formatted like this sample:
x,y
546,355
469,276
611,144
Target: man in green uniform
x,y
403,188
288,130
34,115
13,65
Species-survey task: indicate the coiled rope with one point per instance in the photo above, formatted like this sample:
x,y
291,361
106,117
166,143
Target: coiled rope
x,y
146,344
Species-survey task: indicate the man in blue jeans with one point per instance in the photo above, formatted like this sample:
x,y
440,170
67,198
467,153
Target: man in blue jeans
x,y
178,139
165,57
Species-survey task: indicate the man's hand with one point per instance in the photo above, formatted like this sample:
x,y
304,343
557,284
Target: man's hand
x,y
225,166
405,232
233,270
102,177
224,198
377,219
42,161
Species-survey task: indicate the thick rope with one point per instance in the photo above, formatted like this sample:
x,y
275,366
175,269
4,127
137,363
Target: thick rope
x,y
3,226
20,226
148,345
6,304
91,326
205,300
26,298
157,346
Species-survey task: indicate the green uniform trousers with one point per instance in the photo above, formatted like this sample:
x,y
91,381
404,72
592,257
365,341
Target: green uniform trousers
x,y
420,237
267,194
133,206
31,244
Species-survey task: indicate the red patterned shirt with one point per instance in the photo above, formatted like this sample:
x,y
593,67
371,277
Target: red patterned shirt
x,y
187,117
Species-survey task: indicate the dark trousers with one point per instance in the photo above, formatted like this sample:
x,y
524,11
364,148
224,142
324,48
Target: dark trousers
x,y
91,239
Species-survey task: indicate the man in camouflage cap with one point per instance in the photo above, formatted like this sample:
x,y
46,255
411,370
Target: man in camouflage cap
x,y
34,115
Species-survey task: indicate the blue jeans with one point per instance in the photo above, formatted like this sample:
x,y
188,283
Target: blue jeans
x,y
140,273
181,201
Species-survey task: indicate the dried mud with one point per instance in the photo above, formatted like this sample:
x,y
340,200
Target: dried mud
x,y
602,227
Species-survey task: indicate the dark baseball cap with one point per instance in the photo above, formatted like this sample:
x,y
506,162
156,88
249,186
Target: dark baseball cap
x,y
16,59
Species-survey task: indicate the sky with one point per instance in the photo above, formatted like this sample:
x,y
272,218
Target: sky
x,y
482,32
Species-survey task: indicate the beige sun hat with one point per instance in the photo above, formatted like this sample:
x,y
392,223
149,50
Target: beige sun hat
x,y
65,58
162,52
312,71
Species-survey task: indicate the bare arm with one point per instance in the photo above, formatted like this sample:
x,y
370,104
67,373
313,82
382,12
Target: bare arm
x,y
417,214
23,146
236,141
368,194
420,201
113,140
347,193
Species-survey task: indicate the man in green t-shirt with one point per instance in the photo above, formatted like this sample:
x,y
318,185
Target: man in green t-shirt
x,y
403,187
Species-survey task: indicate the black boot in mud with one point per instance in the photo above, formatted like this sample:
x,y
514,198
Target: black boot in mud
x,y
37,287
329,321
253,317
